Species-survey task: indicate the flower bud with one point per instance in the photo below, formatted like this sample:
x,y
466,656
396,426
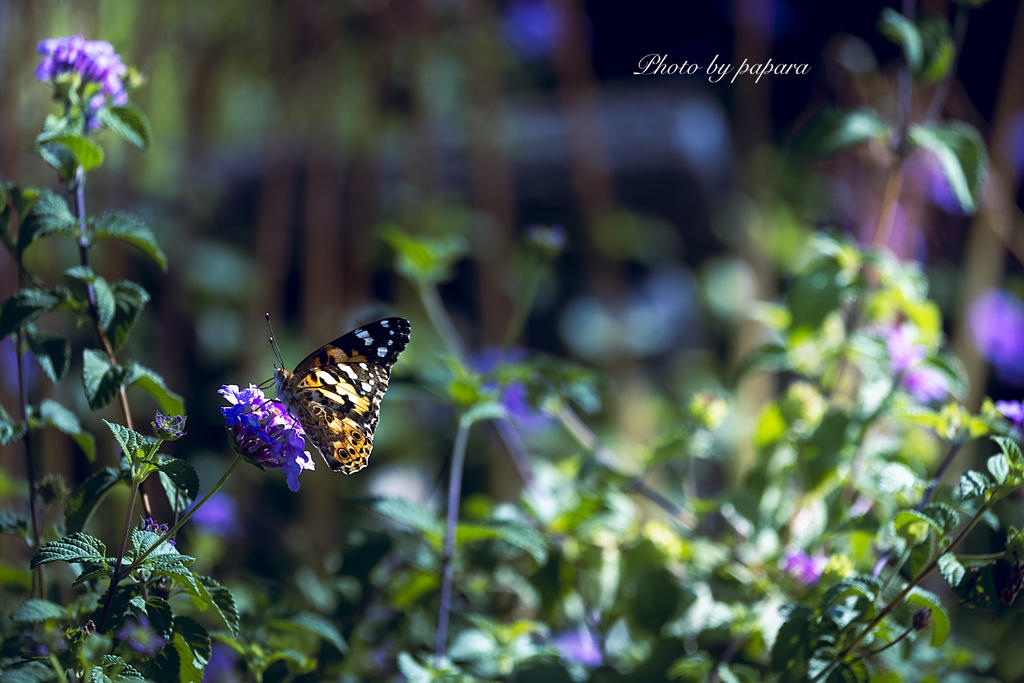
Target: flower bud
x,y
169,427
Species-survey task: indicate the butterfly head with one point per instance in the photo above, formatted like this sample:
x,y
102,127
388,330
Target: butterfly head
x,y
281,379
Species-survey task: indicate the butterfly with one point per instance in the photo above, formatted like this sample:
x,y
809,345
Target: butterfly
x,y
335,392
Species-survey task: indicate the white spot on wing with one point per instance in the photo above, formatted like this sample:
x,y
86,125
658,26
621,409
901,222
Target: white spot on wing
x,y
366,386
382,351
383,323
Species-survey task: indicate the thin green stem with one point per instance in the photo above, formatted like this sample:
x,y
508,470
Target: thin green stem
x,y
524,302
442,323
451,527
896,570
116,576
888,645
188,515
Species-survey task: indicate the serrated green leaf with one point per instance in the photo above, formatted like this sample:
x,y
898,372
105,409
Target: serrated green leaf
x,y
153,384
195,636
222,600
1011,449
999,468
88,154
130,229
49,215
471,645
945,517
411,515
951,569
26,305
974,483
32,611
313,624
129,123
166,666
179,501
101,380
27,672
940,617
850,672
133,444
80,547
52,352
834,131
81,506
961,154
182,474
939,50
902,31
129,300
160,616
118,671
105,304
191,664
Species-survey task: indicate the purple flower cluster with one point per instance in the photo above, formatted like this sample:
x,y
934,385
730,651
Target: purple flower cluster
x,y
141,637
220,517
924,383
93,60
996,320
1014,412
262,429
804,568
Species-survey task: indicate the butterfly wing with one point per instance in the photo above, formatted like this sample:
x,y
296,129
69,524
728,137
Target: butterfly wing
x,y
338,388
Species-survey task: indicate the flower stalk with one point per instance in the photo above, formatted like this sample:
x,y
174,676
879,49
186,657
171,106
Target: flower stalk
x,y
451,528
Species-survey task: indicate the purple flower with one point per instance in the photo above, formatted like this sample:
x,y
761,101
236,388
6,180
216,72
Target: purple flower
x,y
222,667
924,383
141,637
219,516
805,569
263,430
169,427
94,61
580,646
997,323
1014,412
148,524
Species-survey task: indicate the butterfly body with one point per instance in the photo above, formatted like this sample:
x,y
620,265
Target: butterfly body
x,y
335,392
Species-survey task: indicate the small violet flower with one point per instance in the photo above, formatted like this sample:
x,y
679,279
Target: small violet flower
x,y
141,637
804,568
924,383
580,646
148,524
1014,412
996,319
264,431
169,427
94,61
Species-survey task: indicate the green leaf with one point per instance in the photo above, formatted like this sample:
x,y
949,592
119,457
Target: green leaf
x,y
62,159
133,444
52,352
153,384
81,506
182,474
179,501
999,468
850,672
166,666
902,31
188,642
130,229
14,524
834,131
222,600
27,672
10,429
160,616
313,624
411,515
52,414
78,547
32,611
129,123
961,154
101,380
518,535
424,259
940,617
944,517
117,670
25,305
129,300
49,215
163,554
88,154
951,569
974,483
1011,449
939,49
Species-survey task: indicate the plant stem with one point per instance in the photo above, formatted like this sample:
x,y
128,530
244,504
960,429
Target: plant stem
x,y
946,462
942,89
188,515
886,647
524,302
448,572
889,201
30,468
77,191
898,600
442,323
116,576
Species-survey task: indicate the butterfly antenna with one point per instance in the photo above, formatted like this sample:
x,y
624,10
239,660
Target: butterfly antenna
x,y
273,342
